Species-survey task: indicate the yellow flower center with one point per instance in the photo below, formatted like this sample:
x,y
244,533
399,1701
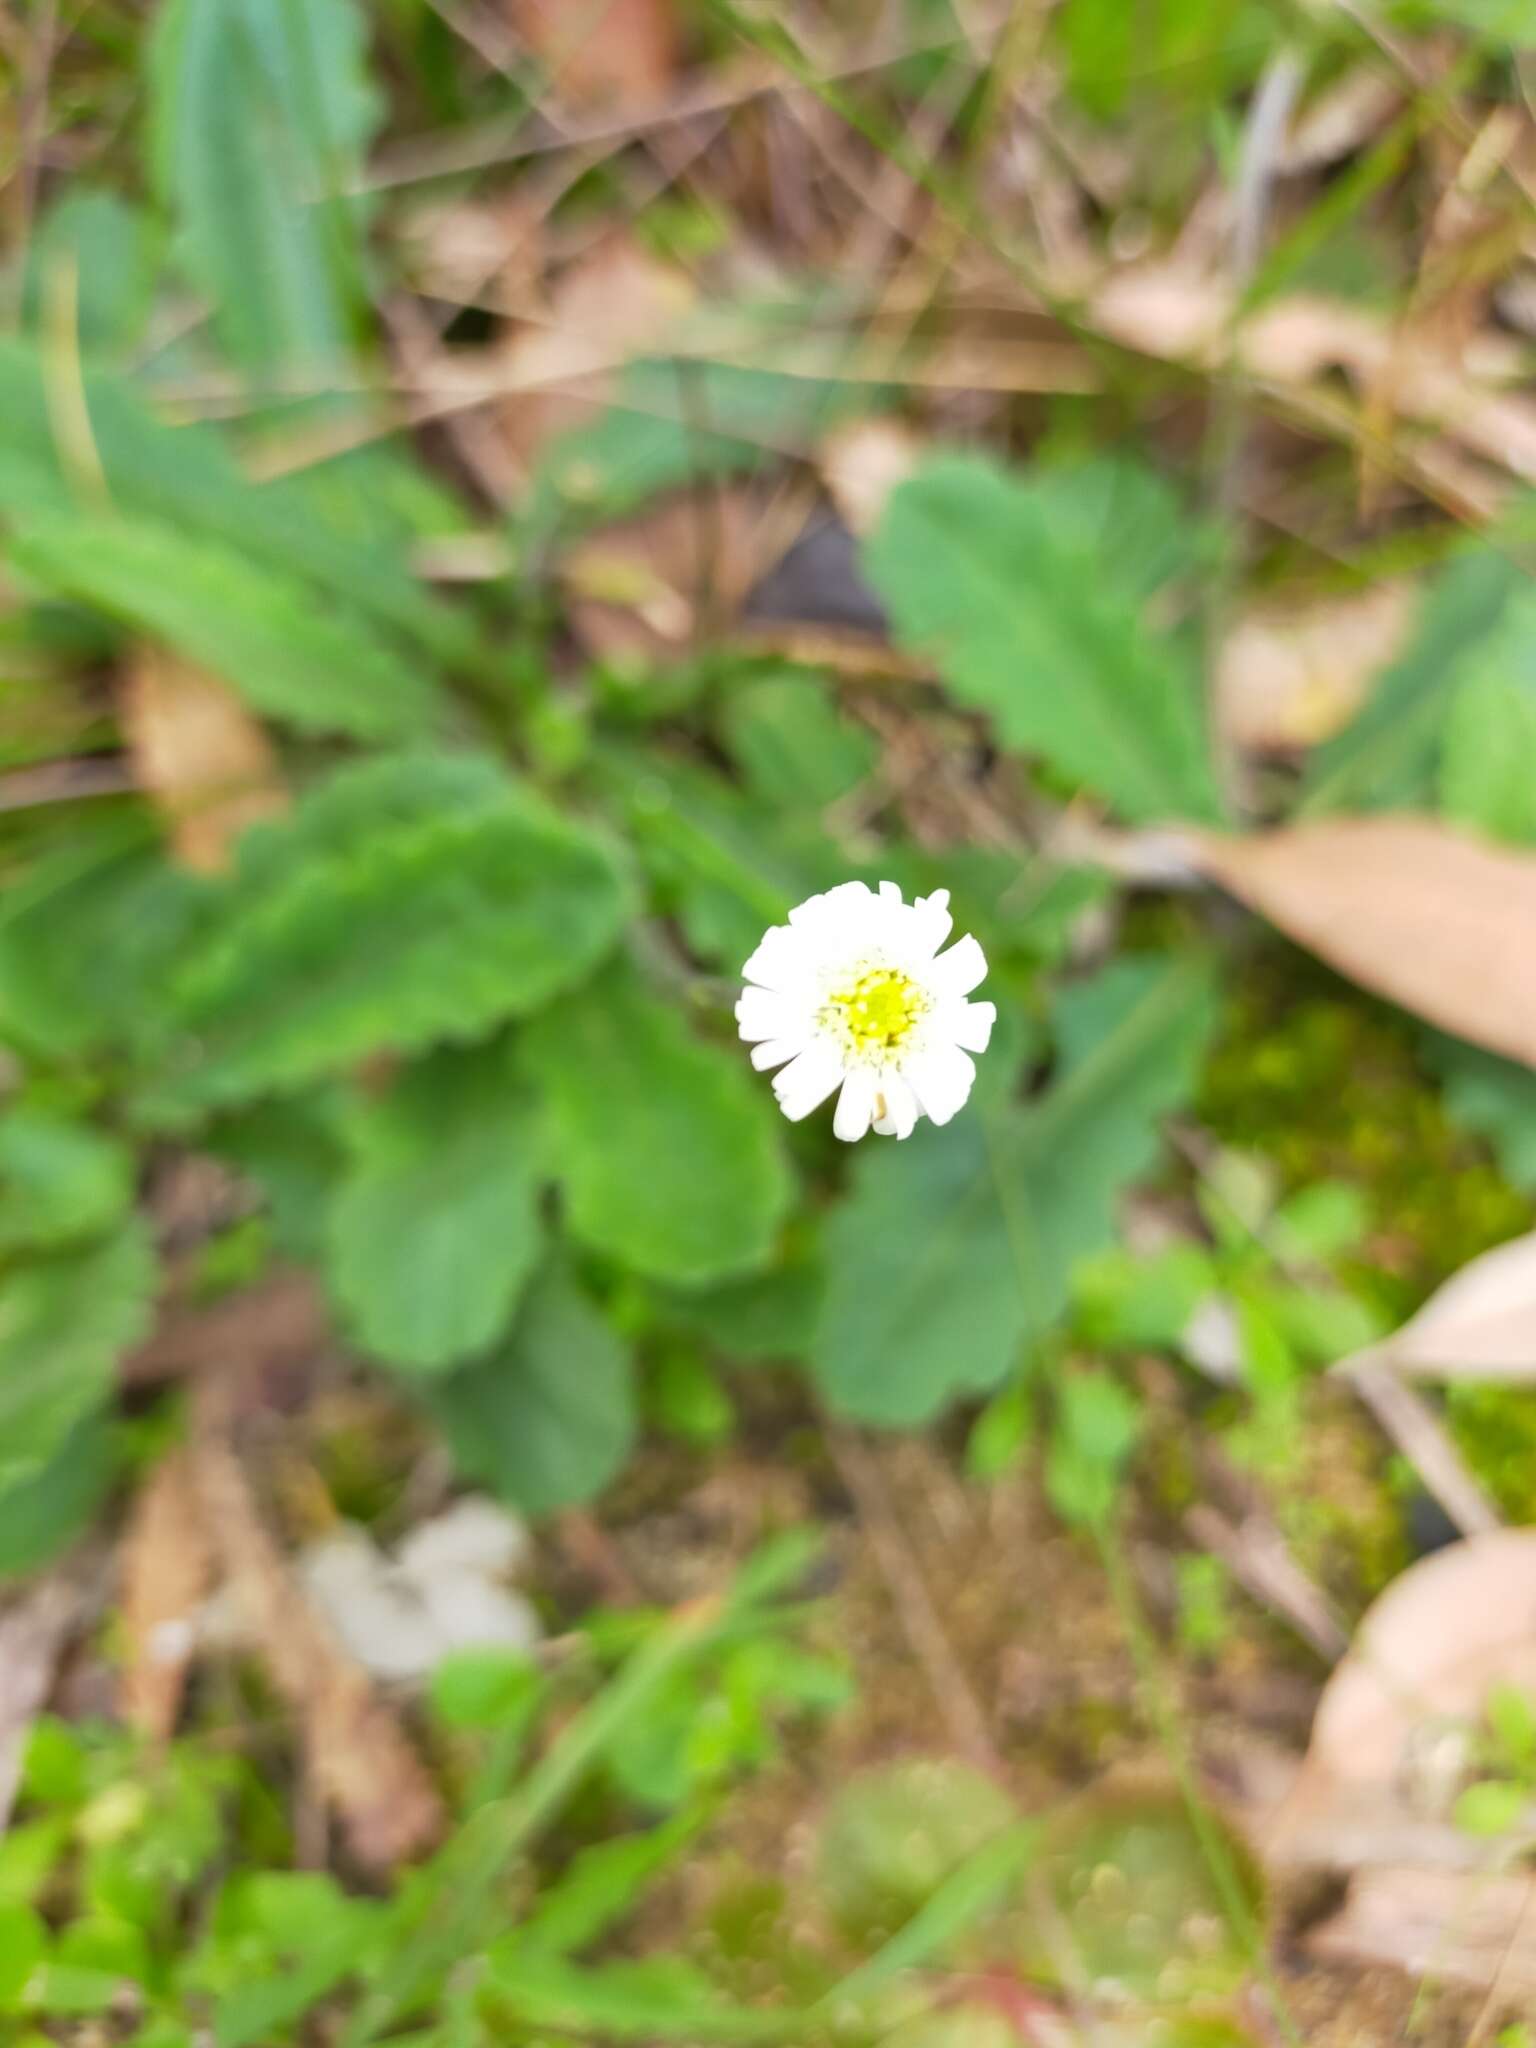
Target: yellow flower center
x,y
878,1011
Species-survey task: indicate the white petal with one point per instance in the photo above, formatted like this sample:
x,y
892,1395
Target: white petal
x,y
855,1106
941,1075
781,961
966,1024
773,1052
901,1111
958,971
767,1013
818,913
930,923
889,893
808,1080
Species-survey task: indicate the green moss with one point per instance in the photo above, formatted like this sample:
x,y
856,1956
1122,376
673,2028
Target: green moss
x,y
1327,1083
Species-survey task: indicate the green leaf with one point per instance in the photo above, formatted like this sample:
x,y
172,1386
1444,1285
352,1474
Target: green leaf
x,y
59,1180
548,1417
1385,759
1492,1807
408,900
1488,747
602,1884
185,477
1093,1435
39,1515
1492,1097
767,1315
321,669
110,252
956,1249
793,745
65,1322
259,114
669,1155
1008,585
23,1942
435,1228
86,937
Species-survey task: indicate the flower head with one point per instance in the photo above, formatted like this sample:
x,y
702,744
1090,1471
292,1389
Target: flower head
x,y
854,994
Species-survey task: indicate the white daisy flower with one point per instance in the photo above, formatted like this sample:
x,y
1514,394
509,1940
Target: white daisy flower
x,y
853,993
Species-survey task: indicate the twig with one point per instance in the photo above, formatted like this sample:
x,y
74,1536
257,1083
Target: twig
x,y
1422,1438
1256,1554
915,1610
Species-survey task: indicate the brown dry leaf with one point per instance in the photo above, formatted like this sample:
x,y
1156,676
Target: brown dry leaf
x,y
357,1754
862,463
1394,1732
1429,917
167,1567
1183,313
1289,678
646,590
601,53
1466,1927
199,753
282,1321
1481,1325
616,303
1345,114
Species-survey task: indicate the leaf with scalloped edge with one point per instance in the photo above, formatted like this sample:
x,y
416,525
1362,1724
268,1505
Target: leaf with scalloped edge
x,y
407,901
319,667
65,1320
434,1228
956,1249
548,1417
670,1158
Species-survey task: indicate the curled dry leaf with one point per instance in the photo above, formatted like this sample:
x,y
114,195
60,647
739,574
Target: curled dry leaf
x,y
1287,679
1427,916
1453,1926
1481,1325
167,1565
199,753
1394,1731
356,1751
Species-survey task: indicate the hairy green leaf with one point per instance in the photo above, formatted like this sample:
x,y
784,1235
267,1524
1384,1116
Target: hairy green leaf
x,y
435,1229
408,900
1035,617
795,748
259,113
185,477
86,937
39,1515
59,1180
319,668
669,1156
955,1250
1385,759
65,1321
549,1416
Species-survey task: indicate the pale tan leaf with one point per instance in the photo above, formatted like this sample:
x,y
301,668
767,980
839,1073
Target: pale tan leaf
x,y
862,463
1481,1325
1427,916
601,53
1289,678
1394,1735
1451,1926
167,1566
647,589
199,753
33,1631
1343,115
357,1753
